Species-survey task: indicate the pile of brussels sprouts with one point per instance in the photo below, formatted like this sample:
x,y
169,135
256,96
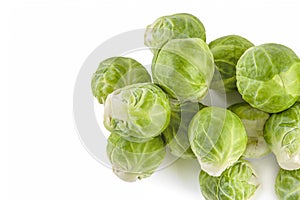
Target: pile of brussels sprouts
x,y
148,114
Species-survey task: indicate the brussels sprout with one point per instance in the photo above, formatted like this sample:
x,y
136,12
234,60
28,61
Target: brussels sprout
x,y
254,121
131,161
184,68
282,134
137,112
175,26
237,182
117,72
226,51
218,139
287,185
176,134
268,77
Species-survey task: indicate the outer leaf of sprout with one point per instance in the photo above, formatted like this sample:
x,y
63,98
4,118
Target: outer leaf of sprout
x,y
117,72
131,161
287,185
218,139
282,134
183,68
268,77
137,112
226,51
237,182
180,25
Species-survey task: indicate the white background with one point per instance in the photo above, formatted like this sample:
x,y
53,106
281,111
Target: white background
x,y
44,44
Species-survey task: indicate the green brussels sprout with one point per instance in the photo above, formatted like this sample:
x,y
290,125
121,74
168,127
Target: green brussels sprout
x,y
227,51
287,185
237,182
254,121
268,77
282,134
181,25
183,68
176,134
218,139
137,112
131,161
117,72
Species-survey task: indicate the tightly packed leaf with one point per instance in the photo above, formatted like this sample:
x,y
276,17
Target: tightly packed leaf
x,y
254,121
137,112
282,134
184,68
176,134
131,161
226,51
287,185
117,72
268,77
237,182
218,139
181,25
